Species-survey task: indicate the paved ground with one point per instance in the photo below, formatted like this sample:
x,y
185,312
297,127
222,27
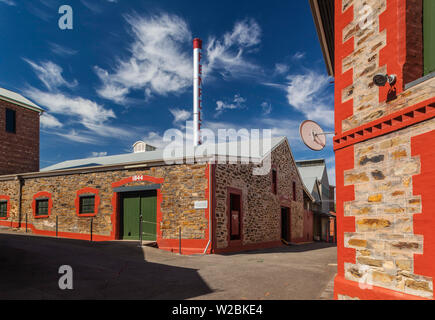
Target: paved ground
x,y
121,270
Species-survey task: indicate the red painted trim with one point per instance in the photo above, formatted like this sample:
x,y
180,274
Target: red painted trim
x,y
403,118
393,55
423,185
137,178
344,160
8,208
37,196
116,214
274,187
197,43
353,290
208,211
96,204
234,243
343,110
68,235
249,247
289,229
214,236
188,246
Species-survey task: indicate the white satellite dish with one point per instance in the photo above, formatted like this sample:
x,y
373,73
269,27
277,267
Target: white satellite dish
x,y
312,135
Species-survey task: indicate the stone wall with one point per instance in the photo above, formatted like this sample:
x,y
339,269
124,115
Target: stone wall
x,y
261,208
182,186
385,222
371,50
384,210
19,152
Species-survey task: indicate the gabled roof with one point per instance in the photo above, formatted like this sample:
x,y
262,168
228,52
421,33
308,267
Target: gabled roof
x,y
233,151
18,99
323,13
311,171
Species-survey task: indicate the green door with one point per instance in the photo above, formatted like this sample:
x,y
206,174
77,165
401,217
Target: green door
x,y
133,206
131,217
149,210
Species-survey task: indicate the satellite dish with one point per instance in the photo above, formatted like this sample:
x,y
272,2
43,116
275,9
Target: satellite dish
x,y
312,135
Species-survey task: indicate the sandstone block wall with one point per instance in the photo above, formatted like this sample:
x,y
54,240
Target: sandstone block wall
x,y
182,186
383,169
261,208
384,210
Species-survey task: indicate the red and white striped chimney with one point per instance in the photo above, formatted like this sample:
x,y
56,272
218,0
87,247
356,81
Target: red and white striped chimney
x,y
197,90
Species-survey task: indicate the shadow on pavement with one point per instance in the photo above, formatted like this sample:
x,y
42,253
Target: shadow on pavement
x,y
288,248
29,270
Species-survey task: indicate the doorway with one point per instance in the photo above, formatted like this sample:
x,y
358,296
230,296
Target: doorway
x,y
135,205
285,224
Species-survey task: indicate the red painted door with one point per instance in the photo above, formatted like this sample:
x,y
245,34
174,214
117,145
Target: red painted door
x,y
235,216
235,223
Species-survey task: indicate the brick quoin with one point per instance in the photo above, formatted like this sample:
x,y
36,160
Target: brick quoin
x,y
384,169
19,152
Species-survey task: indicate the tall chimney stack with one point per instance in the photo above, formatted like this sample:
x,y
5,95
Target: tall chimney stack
x,y
197,90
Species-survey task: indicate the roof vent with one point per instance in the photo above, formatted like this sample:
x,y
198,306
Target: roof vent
x,y
141,146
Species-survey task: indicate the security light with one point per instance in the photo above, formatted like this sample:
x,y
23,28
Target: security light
x,y
381,79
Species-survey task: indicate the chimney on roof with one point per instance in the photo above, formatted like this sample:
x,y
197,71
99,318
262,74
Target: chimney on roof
x,y
197,90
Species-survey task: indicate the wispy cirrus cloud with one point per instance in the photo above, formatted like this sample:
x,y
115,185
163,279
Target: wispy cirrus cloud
x,y
93,117
281,68
49,121
307,93
8,2
50,74
298,55
180,115
157,63
227,55
61,50
79,137
238,102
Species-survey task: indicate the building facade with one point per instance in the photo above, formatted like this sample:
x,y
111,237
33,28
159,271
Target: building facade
x,y
383,138
19,133
201,207
315,177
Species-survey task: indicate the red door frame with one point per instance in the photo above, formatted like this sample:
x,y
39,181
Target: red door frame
x,y
289,218
234,243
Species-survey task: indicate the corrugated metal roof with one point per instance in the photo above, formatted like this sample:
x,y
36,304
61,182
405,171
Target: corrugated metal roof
x,y
18,99
311,170
233,150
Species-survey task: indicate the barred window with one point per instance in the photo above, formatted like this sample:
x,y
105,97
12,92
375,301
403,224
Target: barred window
x,y
41,207
3,209
87,204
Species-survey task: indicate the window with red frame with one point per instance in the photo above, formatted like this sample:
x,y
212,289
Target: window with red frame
x,y
3,208
274,181
41,207
87,204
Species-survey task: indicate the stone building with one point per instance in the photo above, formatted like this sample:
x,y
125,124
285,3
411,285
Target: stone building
x,y
315,177
383,144
213,207
19,133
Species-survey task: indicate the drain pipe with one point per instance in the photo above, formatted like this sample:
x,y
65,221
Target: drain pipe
x,y
210,197
20,199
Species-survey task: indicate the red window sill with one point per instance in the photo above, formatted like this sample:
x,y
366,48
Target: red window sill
x,y
87,215
41,217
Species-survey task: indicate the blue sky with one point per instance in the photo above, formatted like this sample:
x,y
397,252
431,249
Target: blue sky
x,y
124,73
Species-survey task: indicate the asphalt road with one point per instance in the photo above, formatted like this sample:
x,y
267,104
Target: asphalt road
x,y
29,268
